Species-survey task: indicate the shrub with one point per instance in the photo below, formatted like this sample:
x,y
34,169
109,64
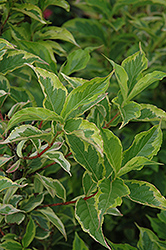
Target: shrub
x,y
65,164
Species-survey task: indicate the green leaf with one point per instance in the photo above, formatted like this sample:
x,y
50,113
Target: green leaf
x,y
148,240
129,110
15,59
5,89
86,131
18,106
151,113
30,233
15,218
74,81
162,216
134,65
158,227
122,78
4,159
87,27
88,185
136,163
53,90
8,209
30,10
7,183
32,202
100,6
112,149
4,44
85,94
87,156
14,167
53,218
120,246
76,61
145,193
114,211
87,216
78,243
58,157
144,82
54,187
11,244
52,32
145,144
111,193
43,49
30,114
25,132
64,4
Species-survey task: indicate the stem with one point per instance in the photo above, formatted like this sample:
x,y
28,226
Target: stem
x,y
1,116
107,125
4,23
42,152
2,232
67,202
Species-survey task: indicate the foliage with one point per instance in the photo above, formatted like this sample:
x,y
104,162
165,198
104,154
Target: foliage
x,y
81,139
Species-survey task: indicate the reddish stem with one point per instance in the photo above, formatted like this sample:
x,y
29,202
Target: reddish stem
x,y
2,232
67,202
1,116
40,125
44,150
107,125
68,154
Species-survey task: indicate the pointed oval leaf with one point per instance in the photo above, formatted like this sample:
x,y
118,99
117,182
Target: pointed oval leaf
x,y
14,167
55,33
18,58
32,202
88,185
76,61
30,114
54,91
59,158
136,163
134,65
15,218
7,183
53,218
130,111
8,209
122,78
112,149
86,155
54,187
78,243
145,144
87,216
29,234
86,130
145,81
151,113
4,159
111,193
148,240
85,94
30,10
145,193
11,244
26,132
63,4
